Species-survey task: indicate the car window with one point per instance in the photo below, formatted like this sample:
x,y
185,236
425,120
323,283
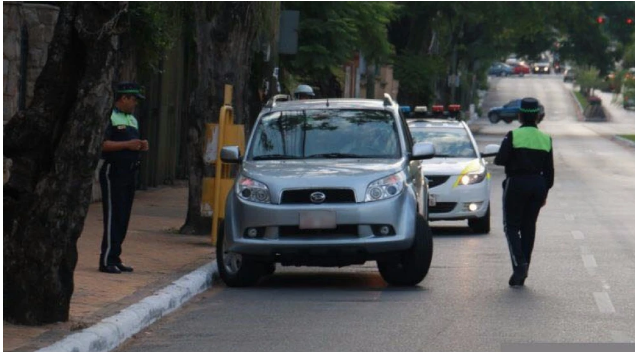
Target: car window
x,y
326,134
448,142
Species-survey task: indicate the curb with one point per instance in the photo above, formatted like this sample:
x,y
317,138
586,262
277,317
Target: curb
x,y
111,332
624,141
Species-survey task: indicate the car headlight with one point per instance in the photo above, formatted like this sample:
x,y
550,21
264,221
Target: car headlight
x,y
252,190
385,188
472,178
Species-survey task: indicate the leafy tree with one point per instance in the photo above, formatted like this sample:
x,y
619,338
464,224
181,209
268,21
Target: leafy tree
x,y
55,145
329,35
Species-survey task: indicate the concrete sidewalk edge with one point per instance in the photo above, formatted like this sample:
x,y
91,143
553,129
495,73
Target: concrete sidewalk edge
x,y
113,331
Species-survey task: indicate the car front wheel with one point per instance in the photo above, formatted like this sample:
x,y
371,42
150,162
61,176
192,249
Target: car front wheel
x,y
413,264
480,225
236,270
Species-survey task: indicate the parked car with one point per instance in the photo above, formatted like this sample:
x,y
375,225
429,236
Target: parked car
x,y
541,67
500,69
569,75
457,175
628,99
508,112
521,69
327,183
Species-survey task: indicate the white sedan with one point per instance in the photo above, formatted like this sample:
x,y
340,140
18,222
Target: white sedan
x,y
458,179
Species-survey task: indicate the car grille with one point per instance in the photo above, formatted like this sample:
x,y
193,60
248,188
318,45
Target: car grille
x,y
442,208
340,231
434,181
303,196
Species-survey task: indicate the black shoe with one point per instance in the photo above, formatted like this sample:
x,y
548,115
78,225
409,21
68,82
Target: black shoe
x,y
519,276
110,269
124,268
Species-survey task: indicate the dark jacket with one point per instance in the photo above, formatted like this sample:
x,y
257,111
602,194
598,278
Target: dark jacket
x,y
527,151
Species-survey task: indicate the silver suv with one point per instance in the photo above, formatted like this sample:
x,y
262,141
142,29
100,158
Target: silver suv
x,y
331,182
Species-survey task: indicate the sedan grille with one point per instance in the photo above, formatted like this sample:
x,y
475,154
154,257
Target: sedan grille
x,y
303,196
442,207
434,181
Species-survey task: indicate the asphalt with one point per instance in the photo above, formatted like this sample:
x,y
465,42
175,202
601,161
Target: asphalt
x,y
170,269
107,309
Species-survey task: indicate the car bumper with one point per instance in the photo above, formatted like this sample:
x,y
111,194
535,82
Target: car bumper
x,y
453,203
279,232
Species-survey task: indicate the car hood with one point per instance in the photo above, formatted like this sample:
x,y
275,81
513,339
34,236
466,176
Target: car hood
x,y
354,174
450,166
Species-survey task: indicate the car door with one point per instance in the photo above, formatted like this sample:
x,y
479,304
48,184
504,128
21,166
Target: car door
x,y
510,110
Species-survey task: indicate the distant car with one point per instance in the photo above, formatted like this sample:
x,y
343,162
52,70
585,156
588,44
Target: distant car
x,y
458,179
629,99
541,67
569,75
521,69
508,112
500,69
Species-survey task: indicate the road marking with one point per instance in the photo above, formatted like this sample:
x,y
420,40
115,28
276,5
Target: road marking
x,y
589,261
569,217
577,235
603,302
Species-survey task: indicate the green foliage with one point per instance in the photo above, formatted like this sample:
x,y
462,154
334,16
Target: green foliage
x,y
331,32
417,75
155,27
589,79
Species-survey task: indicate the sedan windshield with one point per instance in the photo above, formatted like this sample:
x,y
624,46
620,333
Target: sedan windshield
x,y
448,142
325,134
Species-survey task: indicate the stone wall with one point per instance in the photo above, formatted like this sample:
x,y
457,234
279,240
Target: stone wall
x,y
39,22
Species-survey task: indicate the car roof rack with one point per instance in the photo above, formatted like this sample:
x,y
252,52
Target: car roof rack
x,y
388,100
277,98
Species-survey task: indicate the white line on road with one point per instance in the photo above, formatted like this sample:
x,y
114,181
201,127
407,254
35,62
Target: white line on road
x,y
603,302
577,235
589,261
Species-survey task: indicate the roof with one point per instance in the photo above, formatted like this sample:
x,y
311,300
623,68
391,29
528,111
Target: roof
x,y
339,103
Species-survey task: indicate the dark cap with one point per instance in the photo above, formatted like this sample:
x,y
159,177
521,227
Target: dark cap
x,y
530,106
131,88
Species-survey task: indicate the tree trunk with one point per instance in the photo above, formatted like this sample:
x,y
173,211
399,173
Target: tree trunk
x,y
225,32
55,145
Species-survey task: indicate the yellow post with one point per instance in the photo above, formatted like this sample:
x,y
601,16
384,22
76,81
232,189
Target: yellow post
x,y
225,118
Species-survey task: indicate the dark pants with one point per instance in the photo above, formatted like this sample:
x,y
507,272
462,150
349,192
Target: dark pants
x,y
523,196
117,190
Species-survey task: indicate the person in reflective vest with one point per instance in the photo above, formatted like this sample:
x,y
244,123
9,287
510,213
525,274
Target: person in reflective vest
x,y
120,153
527,154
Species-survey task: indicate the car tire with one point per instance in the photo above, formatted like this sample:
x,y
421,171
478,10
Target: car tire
x,y
236,270
480,225
494,118
508,120
413,264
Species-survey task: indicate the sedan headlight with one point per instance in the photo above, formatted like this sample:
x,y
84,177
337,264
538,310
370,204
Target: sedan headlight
x,y
385,188
472,178
252,190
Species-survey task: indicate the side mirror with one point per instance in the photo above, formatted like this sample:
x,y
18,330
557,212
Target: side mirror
x,y
230,155
422,151
490,150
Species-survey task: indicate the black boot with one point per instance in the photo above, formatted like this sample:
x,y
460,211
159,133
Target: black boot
x,y
519,275
124,268
110,269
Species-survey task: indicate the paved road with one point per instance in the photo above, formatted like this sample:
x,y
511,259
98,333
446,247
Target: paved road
x,y
580,289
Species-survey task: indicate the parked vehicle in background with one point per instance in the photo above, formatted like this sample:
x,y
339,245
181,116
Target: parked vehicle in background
x,y
628,99
330,182
541,67
500,69
569,75
458,178
521,69
508,112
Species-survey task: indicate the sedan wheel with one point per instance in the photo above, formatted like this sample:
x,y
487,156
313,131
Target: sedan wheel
x,y
236,270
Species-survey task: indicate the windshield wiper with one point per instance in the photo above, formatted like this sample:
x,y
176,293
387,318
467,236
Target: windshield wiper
x,y
274,157
335,156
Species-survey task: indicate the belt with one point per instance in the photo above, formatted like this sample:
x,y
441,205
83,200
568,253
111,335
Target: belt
x,y
124,164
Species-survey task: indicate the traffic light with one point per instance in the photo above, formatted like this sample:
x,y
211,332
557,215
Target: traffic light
x,y
629,21
601,20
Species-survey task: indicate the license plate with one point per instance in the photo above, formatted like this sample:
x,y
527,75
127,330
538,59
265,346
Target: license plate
x,y
318,219
432,200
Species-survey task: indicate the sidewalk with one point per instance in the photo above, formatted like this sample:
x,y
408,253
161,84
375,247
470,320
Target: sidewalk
x,y
159,256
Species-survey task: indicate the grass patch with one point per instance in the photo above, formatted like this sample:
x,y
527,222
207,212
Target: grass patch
x,y
581,99
628,136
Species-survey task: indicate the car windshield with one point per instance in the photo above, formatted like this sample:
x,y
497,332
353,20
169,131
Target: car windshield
x,y
327,134
448,142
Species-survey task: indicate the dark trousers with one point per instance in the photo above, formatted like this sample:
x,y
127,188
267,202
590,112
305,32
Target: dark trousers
x,y
117,190
523,196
